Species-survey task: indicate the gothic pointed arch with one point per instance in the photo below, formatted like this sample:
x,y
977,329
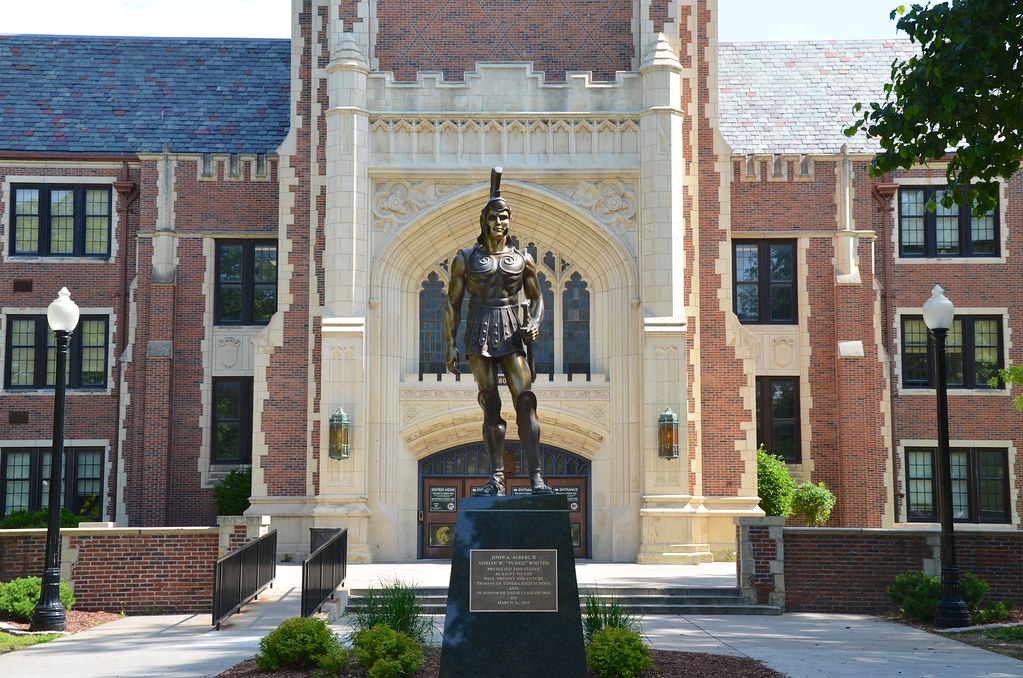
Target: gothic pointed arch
x,y
563,237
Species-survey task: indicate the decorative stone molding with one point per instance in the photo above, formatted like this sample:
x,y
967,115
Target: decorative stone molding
x,y
456,395
593,141
783,351
612,203
574,417
669,352
411,413
777,349
345,352
395,203
228,352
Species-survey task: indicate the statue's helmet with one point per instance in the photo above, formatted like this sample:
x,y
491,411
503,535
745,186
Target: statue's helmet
x,y
495,204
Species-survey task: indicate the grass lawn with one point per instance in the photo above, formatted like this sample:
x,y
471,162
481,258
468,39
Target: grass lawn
x,y
1007,641
9,643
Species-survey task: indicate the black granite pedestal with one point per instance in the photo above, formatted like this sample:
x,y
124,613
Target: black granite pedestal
x,y
513,600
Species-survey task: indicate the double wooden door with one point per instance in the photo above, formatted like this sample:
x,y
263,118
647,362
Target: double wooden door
x,y
441,495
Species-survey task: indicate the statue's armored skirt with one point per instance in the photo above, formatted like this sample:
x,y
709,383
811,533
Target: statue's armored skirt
x,y
493,331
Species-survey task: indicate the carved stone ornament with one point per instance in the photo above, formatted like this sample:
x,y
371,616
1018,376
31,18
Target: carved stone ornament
x,y
396,203
230,348
411,413
611,202
783,351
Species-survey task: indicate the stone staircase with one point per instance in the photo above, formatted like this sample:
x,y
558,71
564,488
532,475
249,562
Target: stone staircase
x,y
633,600
677,600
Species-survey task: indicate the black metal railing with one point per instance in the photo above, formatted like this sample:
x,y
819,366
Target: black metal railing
x,y
241,576
323,571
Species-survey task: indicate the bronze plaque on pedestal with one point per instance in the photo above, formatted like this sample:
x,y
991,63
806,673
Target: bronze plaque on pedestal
x,y
513,580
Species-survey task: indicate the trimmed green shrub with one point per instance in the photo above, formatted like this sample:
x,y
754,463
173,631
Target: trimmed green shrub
x,y
601,614
300,643
774,484
23,520
19,597
812,503
982,609
917,594
395,606
386,653
232,493
990,611
618,653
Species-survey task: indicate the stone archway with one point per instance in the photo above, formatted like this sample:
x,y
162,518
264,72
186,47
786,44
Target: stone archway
x,y
404,421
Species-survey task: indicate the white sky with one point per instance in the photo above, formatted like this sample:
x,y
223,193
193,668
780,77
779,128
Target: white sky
x,y
740,19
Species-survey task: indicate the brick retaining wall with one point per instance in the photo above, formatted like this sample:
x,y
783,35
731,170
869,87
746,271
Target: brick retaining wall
x,y
848,569
133,570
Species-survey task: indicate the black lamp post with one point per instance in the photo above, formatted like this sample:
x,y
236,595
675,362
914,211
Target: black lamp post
x,y
49,614
951,611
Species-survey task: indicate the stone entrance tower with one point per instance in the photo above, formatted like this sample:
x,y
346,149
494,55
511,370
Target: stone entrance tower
x,y
601,118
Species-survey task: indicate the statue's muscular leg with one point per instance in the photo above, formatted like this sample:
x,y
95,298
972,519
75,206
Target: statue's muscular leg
x,y
516,369
485,372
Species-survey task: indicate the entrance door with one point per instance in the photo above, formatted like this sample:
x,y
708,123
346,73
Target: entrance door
x,y
576,490
449,476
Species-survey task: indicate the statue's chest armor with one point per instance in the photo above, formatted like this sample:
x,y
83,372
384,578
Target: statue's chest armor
x,y
494,275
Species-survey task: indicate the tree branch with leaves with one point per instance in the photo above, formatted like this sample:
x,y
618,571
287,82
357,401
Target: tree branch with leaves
x,y
960,98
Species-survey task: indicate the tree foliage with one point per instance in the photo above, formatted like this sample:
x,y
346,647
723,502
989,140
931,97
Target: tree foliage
x,y
963,92
1010,375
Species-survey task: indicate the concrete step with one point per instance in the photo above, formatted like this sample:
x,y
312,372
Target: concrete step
x,y
332,608
633,600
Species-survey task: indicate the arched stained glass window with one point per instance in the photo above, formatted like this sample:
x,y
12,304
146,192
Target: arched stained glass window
x,y
564,342
575,308
431,325
543,348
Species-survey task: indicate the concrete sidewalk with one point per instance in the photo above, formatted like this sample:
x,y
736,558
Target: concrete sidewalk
x,y
163,645
798,645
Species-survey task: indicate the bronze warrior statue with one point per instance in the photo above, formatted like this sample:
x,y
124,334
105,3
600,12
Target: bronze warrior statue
x,y
494,273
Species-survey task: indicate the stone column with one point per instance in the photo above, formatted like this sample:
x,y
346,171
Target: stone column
x,y
673,523
342,497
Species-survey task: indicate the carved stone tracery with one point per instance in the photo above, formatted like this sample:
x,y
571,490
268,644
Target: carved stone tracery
x,y
395,203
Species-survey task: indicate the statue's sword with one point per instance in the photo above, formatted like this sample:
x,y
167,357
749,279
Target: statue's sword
x,y
530,356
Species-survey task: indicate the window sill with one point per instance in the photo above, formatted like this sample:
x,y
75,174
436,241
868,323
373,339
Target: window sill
x,y
951,259
961,527
953,391
68,391
62,259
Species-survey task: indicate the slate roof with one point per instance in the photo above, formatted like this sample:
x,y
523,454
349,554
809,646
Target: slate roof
x,y
795,97
133,95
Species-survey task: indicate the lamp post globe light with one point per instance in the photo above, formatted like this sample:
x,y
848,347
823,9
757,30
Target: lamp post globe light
x,y
49,614
951,610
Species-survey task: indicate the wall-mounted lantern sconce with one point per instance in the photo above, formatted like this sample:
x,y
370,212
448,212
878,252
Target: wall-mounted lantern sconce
x,y
340,443
667,435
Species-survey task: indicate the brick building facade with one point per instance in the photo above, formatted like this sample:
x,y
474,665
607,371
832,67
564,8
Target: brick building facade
x,y
258,234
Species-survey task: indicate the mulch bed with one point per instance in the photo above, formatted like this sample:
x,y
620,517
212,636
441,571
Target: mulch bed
x,y
667,664
76,621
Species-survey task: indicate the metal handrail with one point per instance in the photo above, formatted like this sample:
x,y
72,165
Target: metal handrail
x,y
242,575
323,571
